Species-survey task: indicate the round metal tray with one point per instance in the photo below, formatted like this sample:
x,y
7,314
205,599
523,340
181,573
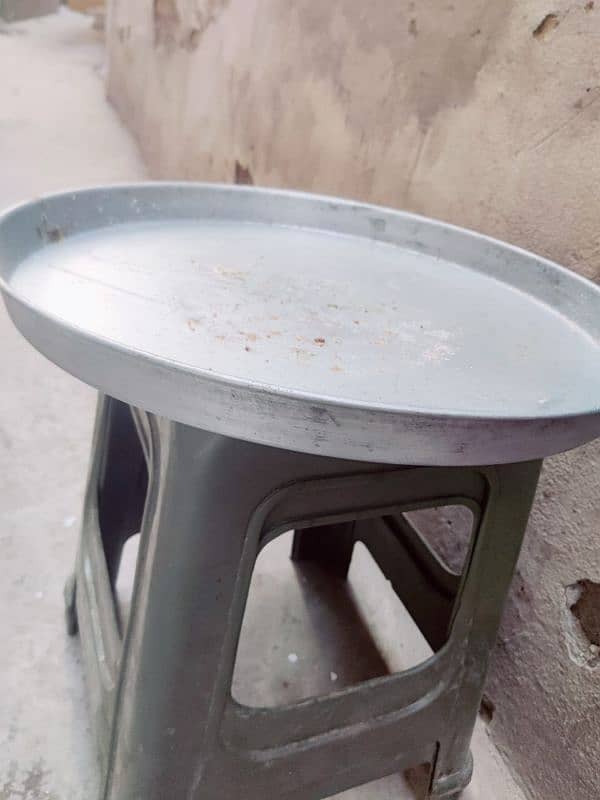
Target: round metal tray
x,y
309,323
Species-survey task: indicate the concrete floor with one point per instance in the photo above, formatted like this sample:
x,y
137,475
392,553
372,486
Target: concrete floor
x,y
56,131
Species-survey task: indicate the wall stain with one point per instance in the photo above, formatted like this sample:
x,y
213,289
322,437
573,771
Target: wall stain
x,y
209,13
546,26
172,31
242,175
166,23
191,40
419,82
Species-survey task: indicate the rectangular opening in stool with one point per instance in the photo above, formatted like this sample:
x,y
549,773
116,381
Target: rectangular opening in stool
x,y
302,634
310,631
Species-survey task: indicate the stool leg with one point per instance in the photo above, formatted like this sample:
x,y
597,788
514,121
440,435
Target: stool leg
x,y
116,491
481,600
194,570
329,546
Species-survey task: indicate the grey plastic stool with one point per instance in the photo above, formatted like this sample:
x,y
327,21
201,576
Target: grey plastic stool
x,y
176,727
309,364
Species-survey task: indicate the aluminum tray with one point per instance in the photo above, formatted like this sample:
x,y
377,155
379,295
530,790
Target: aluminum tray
x,y
309,323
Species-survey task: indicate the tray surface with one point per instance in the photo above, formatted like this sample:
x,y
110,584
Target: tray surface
x,y
369,323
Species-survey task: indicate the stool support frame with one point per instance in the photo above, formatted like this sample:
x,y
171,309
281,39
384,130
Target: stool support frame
x,y
165,720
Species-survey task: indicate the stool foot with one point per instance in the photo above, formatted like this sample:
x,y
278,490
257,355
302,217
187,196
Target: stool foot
x,y
449,786
70,594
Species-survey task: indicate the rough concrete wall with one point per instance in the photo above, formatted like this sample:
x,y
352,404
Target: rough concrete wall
x,y
481,113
